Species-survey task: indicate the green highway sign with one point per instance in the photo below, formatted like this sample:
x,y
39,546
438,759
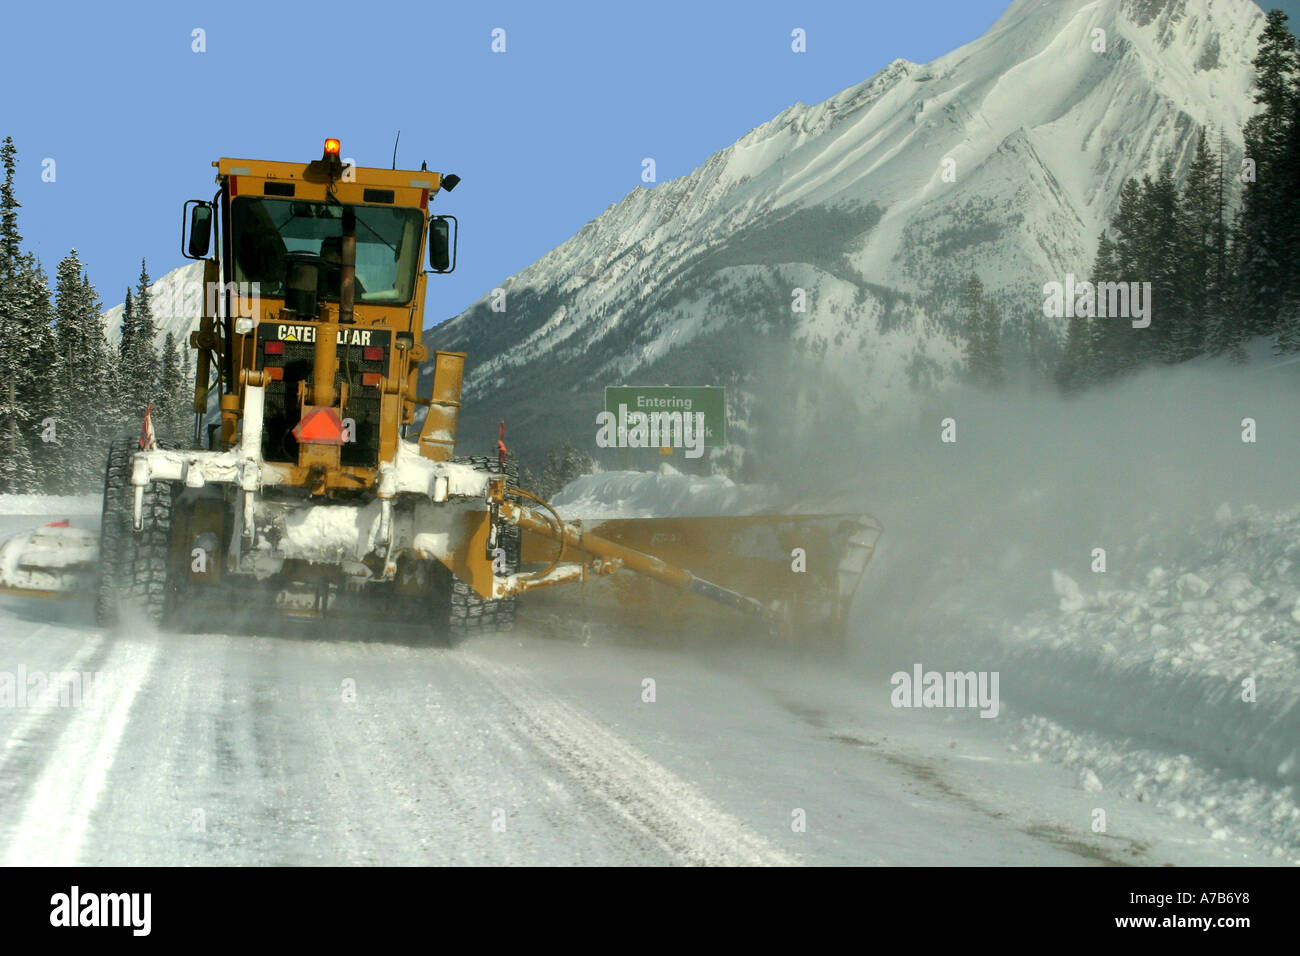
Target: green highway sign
x,y
666,407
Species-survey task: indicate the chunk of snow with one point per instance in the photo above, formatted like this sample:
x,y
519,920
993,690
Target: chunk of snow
x,y
1071,595
1190,586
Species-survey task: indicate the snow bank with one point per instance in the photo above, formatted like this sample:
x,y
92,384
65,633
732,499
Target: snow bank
x,y
663,493
1180,785
1200,653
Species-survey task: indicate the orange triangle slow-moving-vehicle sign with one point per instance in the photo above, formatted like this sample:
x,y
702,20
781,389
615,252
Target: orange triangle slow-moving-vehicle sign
x,y
320,426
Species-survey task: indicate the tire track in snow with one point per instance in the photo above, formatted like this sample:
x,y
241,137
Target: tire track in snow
x,y
37,711
42,720
56,818
643,792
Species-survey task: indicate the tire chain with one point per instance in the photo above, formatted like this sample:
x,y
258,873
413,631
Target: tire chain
x,y
469,613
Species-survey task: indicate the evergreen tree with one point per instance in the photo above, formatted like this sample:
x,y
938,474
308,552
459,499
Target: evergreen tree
x,y
119,396
1235,327
983,350
1268,211
26,387
1288,320
37,362
185,406
1118,347
61,398
82,378
1105,335
991,333
169,407
1223,328
25,346
1277,65
126,331
10,239
1198,228
564,463
1075,370
972,307
16,470
1160,258
1222,225
145,326
138,371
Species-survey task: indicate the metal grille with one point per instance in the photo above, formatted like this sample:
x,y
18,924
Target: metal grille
x,y
364,403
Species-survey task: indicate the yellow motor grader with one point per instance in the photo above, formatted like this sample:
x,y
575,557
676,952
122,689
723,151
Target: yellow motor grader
x,y
320,477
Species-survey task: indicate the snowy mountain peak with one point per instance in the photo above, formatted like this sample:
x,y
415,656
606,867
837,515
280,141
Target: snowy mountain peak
x,y
813,119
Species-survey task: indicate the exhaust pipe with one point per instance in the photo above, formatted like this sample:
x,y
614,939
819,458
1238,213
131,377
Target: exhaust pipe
x,y
325,358
348,266
438,434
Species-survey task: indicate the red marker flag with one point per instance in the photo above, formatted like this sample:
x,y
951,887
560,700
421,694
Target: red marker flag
x,y
148,441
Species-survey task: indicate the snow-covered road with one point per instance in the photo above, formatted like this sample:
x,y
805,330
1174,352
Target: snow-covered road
x,y
532,748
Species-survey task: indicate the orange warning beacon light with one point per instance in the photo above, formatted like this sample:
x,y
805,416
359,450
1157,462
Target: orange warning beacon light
x,y
329,164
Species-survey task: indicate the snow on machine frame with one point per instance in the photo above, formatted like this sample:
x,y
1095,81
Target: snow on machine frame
x,y
302,483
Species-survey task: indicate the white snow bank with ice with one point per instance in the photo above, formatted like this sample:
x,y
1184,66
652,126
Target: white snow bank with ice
x,y
1172,678
1212,616
1183,786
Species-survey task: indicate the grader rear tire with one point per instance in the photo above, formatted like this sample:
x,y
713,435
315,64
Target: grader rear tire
x,y
133,581
468,613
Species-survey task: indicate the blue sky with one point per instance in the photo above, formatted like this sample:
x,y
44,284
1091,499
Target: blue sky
x,y
545,136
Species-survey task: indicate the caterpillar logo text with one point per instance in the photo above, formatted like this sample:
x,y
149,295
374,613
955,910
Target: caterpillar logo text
x,y
307,333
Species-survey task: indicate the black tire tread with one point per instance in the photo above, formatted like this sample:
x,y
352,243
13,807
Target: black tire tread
x,y
133,576
469,613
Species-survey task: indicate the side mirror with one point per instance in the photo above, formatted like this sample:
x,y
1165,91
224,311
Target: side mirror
x,y
442,243
197,238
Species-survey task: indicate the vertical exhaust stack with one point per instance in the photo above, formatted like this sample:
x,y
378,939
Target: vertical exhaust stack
x,y
326,354
438,434
348,265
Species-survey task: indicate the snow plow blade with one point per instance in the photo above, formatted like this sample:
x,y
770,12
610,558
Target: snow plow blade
x,y
50,561
798,573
